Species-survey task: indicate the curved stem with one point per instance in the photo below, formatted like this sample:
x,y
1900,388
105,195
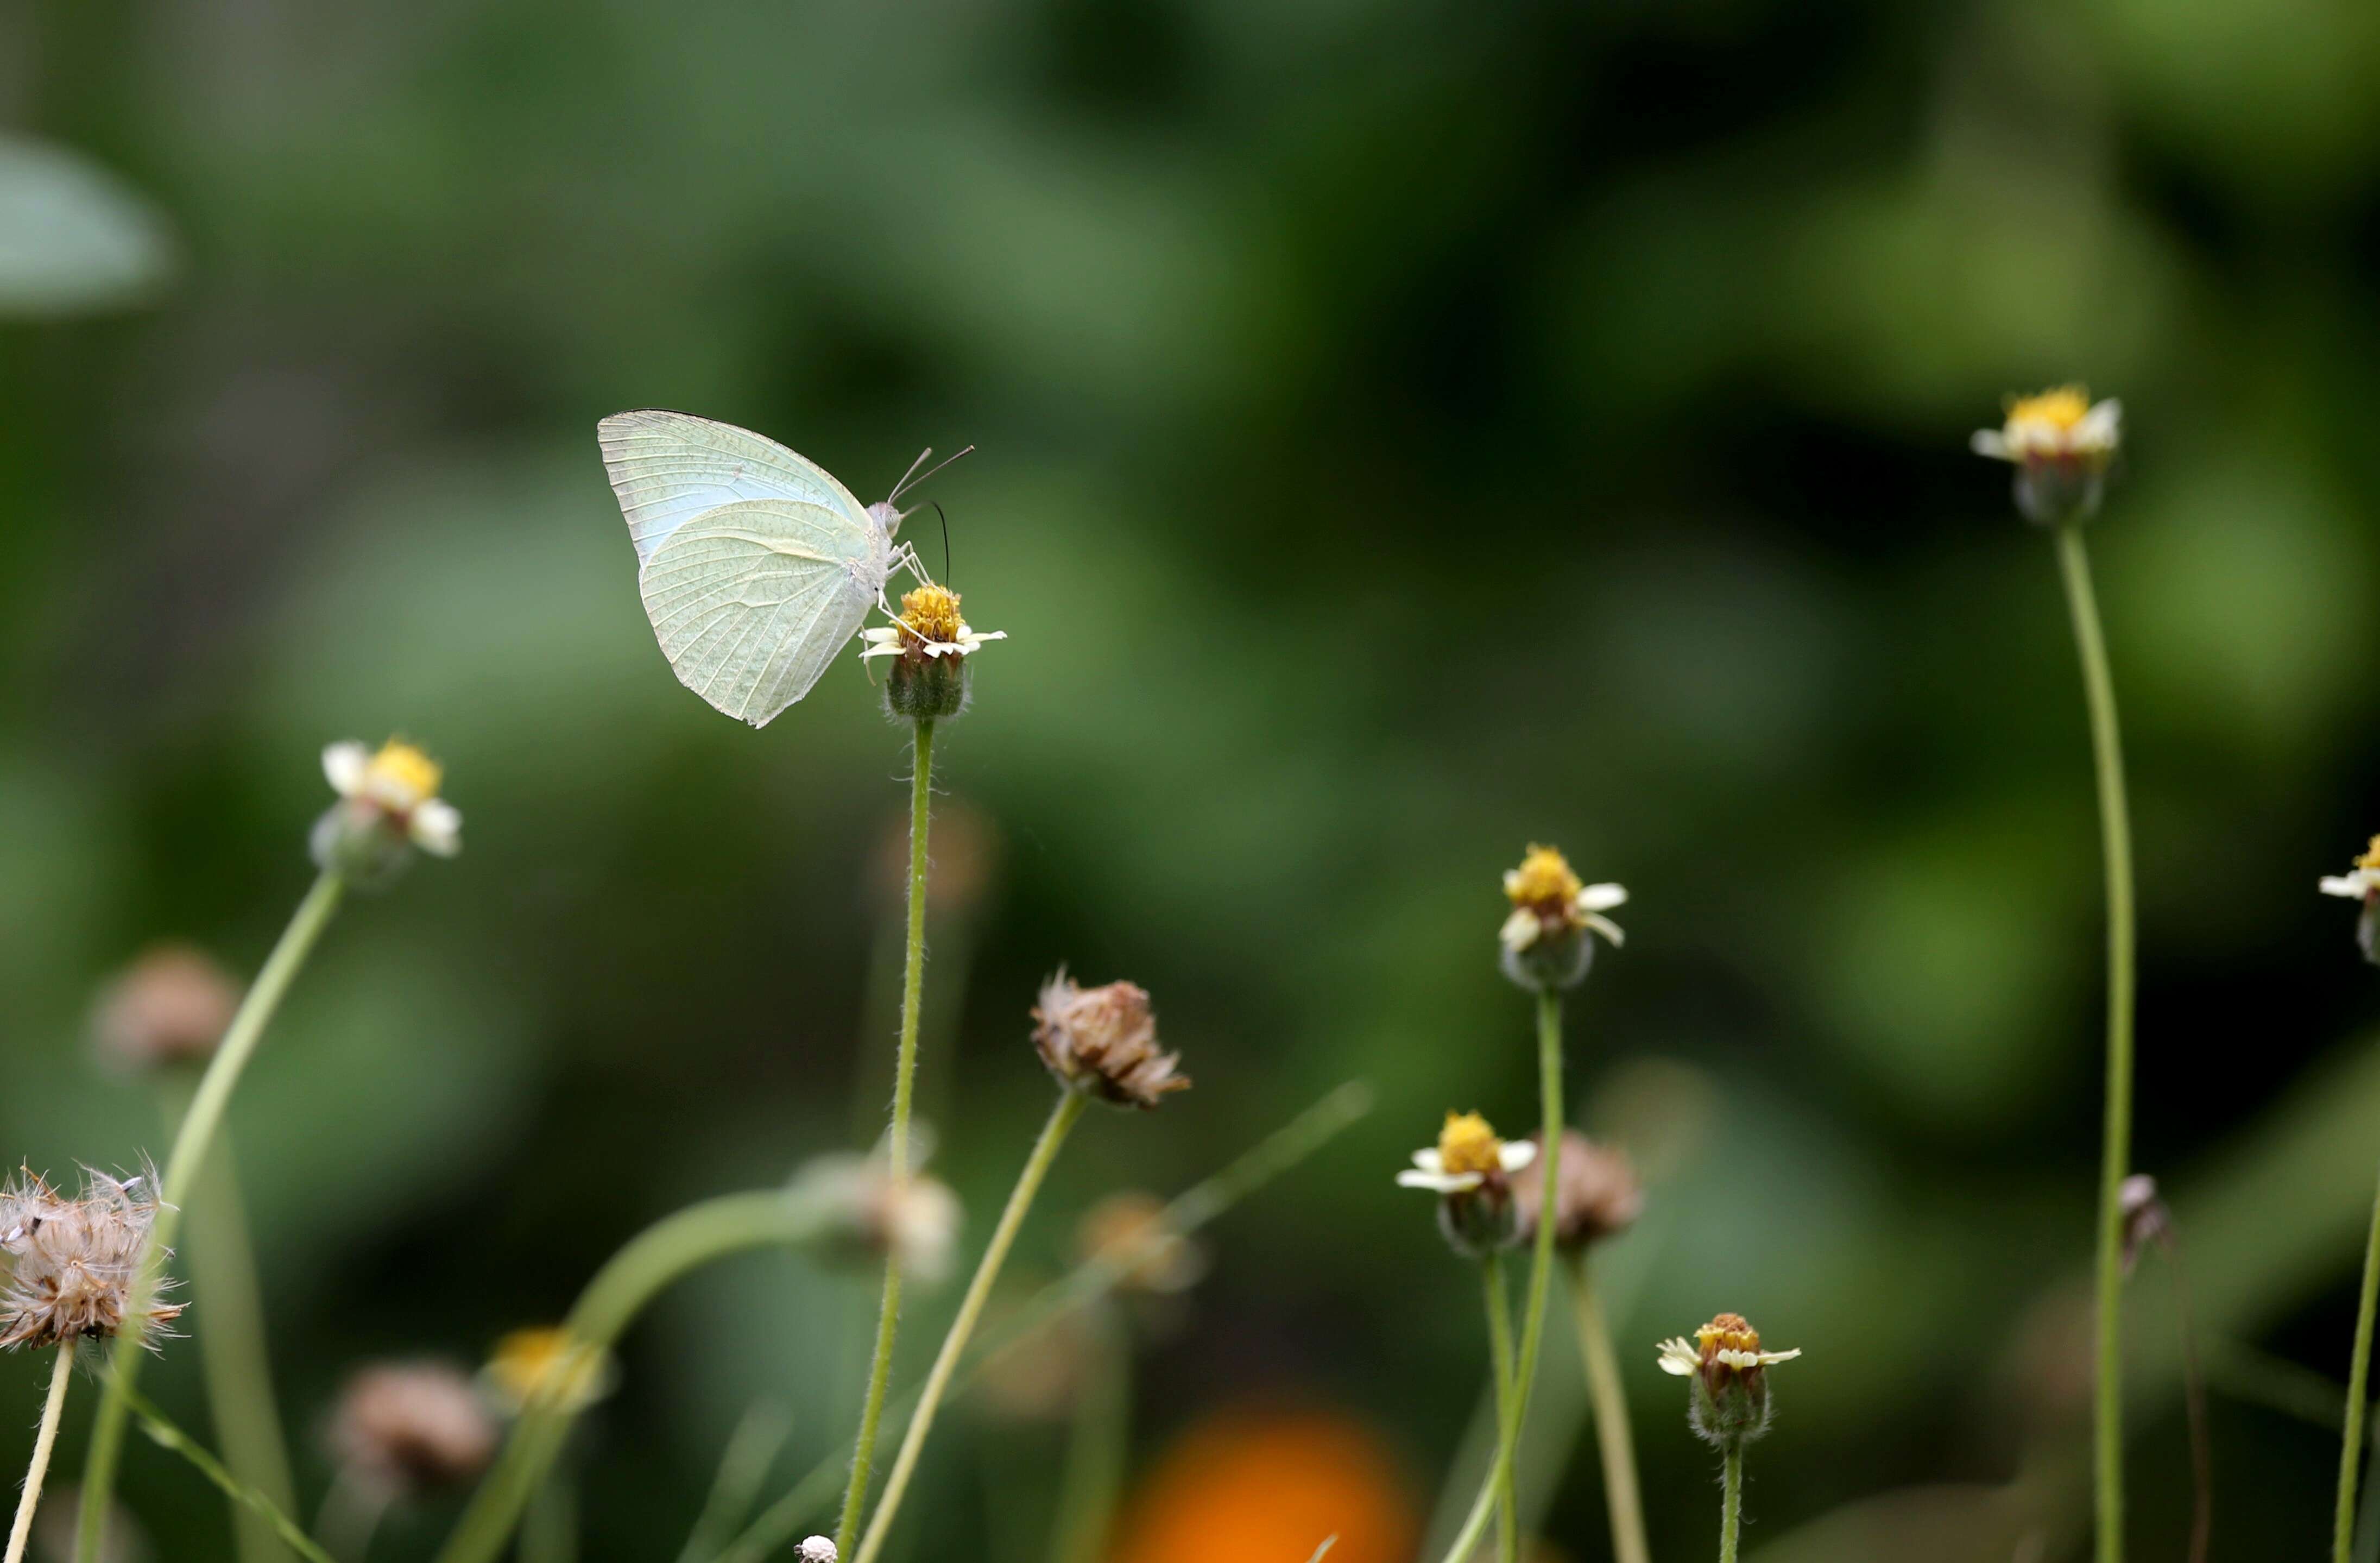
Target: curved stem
x,y
1096,1449
631,1278
1549,1085
913,982
2115,840
182,1163
2357,1372
1730,1513
61,1374
1020,1199
1500,1349
1614,1440
233,1354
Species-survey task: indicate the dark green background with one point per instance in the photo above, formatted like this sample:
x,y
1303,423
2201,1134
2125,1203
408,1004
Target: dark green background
x,y
1406,431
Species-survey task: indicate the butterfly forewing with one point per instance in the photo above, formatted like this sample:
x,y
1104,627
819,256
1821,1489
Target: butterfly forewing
x,y
668,467
750,601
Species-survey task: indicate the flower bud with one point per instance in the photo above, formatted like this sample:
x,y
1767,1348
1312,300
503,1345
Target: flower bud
x,y
1103,1040
1596,1196
171,1006
815,1549
543,1366
412,1427
1130,1229
869,1212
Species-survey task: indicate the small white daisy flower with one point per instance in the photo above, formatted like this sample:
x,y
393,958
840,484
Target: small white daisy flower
x,y
928,626
1467,1151
1729,1341
398,783
2358,882
2059,425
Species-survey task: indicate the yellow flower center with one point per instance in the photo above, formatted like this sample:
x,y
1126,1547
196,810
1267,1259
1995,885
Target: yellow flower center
x,y
2371,858
2062,409
931,613
401,776
532,1363
1467,1145
1543,882
1729,1332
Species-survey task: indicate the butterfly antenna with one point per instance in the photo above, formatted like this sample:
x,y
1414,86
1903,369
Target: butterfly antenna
x,y
914,477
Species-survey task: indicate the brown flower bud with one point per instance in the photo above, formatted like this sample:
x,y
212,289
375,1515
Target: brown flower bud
x,y
1129,1228
413,1427
171,1006
1598,1195
1104,1040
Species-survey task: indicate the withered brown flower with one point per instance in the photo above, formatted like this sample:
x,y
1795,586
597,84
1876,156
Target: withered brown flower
x,y
1598,1196
1103,1040
413,1427
71,1263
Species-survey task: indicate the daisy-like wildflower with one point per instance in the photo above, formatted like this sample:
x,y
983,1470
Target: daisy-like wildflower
x,y
1103,1040
1728,1367
171,1006
931,644
388,804
1545,939
1598,1196
1470,1169
2061,442
412,1427
2361,883
71,1261
543,1366
915,1219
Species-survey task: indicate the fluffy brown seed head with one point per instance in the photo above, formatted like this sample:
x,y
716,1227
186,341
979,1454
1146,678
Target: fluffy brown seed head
x,y
71,1263
1598,1196
171,1006
413,1426
1130,1229
1103,1040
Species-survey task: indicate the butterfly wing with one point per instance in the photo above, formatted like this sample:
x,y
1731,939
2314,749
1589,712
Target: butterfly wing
x,y
668,467
751,600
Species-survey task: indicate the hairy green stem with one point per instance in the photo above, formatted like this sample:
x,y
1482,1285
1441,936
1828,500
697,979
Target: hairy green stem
x,y
1731,1511
1063,1118
913,982
2359,1371
61,1374
1614,1440
182,1163
629,1280
1096,1449
1086,1284
165,1435
2115,1164
1550,1094
234,1352
1499,1351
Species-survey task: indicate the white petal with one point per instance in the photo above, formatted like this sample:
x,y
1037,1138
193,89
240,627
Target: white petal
x,y
1991,443
2102,425
980,636
343,766
1607,928
1429,1161
1516,1155
2348,885
1440,1183
437,828
1768,1357
881,634
1680,1356
1602,898
1520,930
884,649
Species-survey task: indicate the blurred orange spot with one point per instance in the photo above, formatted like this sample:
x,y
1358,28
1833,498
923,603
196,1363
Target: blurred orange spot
x,y
1267,1489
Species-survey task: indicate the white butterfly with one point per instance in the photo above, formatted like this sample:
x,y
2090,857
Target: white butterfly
x,y
755,565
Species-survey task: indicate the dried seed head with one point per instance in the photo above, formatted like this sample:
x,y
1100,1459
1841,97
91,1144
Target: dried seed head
x,y
412,1427
171,1006
1103,1040
1597,1195
1130,1229
71,1263
816,1549
544,1366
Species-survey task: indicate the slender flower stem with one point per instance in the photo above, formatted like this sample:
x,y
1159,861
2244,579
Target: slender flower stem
x,y
550,1529
1550,1087
629,1279
1020,1199
1731,1512
61,1374
2116,839
913,982
1096,1450
2357,1372
182,1165
1614,1439
1500,1349
232,1349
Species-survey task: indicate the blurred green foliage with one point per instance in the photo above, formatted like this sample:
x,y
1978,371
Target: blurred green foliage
x,y
1406,432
